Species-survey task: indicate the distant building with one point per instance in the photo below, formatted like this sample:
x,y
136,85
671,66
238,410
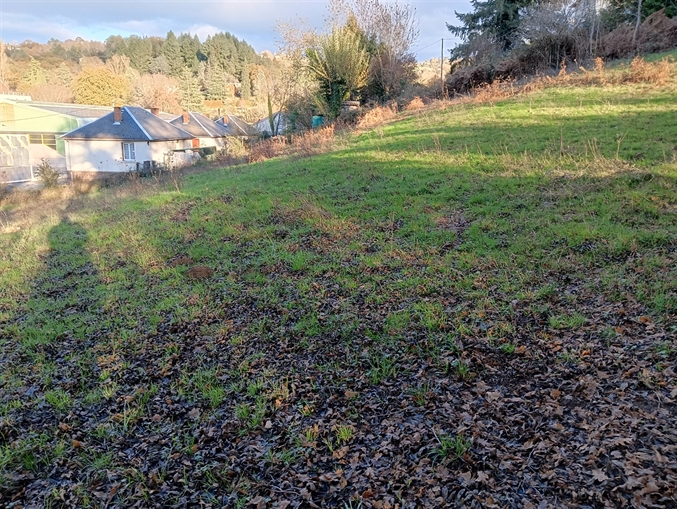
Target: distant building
x,y
281,125
206,132
235,126
127,139
31,130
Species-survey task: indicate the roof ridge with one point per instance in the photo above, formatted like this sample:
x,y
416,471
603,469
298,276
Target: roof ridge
x,y
201,125
126,108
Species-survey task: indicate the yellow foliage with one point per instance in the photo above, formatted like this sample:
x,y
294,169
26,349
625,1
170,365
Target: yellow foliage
x,y
100,86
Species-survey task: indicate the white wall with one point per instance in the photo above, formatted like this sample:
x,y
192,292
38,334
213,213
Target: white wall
x,y
106,156
98,155
212,142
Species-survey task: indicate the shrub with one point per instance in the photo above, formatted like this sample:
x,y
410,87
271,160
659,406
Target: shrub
x,y
267,149
415,104
377,116
658,73
47,174
657,33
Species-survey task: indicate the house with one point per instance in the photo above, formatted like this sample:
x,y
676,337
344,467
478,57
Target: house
x,y
206,132
235,126
127,139
281,124
30,131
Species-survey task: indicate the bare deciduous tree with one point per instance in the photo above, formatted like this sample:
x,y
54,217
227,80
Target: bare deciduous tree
x,y
157,91
559,29
51,92
118,64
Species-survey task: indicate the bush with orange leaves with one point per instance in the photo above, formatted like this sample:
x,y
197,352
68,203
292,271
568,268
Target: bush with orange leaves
x,y
313,142
377,116
658,73
267,149
415,104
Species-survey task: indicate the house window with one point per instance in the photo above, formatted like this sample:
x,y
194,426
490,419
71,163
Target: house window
x,y
43,139
128,152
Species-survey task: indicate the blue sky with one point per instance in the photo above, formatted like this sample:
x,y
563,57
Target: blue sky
x,y
254,21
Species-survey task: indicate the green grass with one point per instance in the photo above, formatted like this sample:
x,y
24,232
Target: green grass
x,y
475,224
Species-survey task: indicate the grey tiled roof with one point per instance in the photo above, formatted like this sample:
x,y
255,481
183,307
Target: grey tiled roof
x,y
137,125
235,126
168,117
200,126
73,110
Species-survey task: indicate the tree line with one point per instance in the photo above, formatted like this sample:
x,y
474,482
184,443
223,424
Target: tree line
x,y
173,73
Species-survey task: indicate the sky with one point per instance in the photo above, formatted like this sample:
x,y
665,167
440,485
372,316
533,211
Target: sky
x,y
253,20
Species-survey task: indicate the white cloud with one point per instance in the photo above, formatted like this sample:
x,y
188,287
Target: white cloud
x,y
17,27
203,31
254,21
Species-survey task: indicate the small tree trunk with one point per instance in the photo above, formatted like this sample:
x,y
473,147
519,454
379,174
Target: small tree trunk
x,y
592,28
639,17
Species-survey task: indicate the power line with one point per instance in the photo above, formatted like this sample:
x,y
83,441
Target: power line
x,y
431,44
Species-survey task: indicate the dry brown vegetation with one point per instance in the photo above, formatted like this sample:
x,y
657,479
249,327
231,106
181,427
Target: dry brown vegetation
x,y
306,144
661,73
376,116
657,33
415,104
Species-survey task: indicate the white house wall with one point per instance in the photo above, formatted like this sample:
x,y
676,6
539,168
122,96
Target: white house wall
x,y
212,142
106,156
97,155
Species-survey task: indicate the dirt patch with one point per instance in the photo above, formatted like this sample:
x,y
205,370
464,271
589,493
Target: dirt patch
x,y
183,213
200,272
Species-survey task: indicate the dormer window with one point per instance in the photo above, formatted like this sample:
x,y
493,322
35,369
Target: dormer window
x,y
128,153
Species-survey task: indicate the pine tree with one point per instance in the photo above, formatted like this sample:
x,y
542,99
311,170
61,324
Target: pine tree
x,y
172,52
189,48
214,83
498,18
191,95
245,81
140,53
64,76
35,75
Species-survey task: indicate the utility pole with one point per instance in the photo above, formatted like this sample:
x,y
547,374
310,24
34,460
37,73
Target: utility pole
x,y
639,20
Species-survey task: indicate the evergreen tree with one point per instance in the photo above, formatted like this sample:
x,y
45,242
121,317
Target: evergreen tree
x,y
64,76
190,48
191,95
160,65
245,81
59,51
497,18
35,75
172,52
116,45
214,83
140,52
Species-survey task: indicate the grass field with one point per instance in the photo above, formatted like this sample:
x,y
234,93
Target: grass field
x,y
474,305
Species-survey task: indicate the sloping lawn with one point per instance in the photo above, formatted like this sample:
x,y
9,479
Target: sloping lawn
x,y
470,307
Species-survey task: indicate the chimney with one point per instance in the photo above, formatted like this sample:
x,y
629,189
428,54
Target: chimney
x,y
155,111
186,117
225,120
117,114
